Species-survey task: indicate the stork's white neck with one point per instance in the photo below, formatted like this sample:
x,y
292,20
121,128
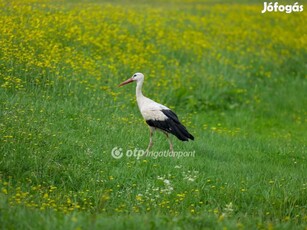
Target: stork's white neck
x,y
139,93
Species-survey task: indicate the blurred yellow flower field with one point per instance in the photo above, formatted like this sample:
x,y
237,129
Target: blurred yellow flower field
x,y
96,40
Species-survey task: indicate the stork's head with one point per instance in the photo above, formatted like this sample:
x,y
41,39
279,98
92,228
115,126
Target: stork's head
x,y
136,77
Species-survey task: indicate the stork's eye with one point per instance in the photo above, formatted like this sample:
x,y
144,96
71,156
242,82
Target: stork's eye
x,y
134,75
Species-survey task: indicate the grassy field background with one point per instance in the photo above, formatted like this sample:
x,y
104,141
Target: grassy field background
x,y
235,77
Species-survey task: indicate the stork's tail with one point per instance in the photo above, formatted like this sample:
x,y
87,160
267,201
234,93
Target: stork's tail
x,y
170,126
181,132
175,127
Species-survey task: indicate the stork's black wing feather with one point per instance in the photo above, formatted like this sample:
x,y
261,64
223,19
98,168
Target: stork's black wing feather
x,y
171,115
171,125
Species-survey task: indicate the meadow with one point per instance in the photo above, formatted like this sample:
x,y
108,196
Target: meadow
x,y
235,77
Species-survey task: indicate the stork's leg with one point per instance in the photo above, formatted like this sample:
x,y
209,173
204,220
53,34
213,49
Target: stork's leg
x,y
150,138
170,143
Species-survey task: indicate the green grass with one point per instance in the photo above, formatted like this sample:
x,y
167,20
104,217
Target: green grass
x,y
238,85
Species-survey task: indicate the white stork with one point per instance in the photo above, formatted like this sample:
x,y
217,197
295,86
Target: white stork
x,y
157,116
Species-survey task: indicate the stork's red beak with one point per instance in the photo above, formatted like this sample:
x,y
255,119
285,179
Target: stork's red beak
x,y
126,82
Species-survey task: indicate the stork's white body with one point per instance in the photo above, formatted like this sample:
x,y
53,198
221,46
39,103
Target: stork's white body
x,y
149,109
158,116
